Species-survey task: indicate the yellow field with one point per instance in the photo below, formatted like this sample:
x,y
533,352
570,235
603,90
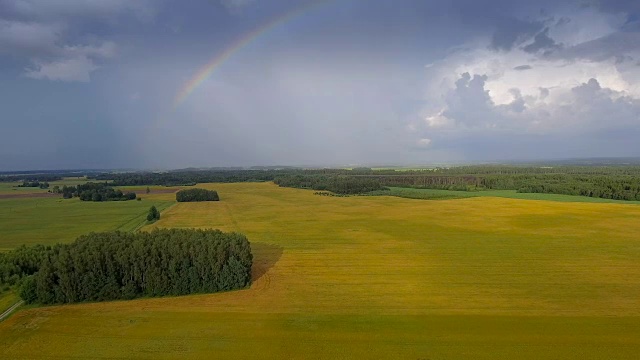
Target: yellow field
x,y
379,277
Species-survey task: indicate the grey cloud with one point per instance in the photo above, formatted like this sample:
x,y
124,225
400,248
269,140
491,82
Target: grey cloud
x,y
617,6
38,32
523,67
234,5
518,103
607,47
563,21
511,31
65,9
74,69
588,89
19,38
469,103
544,92
542,41
586,111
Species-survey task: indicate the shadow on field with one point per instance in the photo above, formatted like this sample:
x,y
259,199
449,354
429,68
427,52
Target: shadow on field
x,y
264,257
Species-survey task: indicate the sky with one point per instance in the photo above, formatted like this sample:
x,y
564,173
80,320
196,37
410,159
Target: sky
x,y
159,84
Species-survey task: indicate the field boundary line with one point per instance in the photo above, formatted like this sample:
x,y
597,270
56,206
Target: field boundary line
x,y
10,310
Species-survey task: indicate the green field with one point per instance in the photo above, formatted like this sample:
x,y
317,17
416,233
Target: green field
x,y
53,219
12,187
7,299
436,194
377,277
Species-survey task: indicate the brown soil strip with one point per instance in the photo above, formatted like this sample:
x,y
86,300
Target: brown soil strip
x,y
29,195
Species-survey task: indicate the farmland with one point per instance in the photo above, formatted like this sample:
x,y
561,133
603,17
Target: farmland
x,y
364,277
49,220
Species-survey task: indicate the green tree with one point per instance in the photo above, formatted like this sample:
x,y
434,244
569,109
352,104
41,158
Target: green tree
x,y
28,290
153,214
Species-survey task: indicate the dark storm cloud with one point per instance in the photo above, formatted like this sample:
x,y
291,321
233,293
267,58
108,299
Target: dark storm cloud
x,y
615,45
92,83
511,31
542,42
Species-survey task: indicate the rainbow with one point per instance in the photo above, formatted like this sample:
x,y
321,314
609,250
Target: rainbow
x,y
206,71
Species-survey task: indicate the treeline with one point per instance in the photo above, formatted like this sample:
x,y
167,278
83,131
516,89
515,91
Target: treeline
x,y
540,169
605,187
611,180
96,192
29,178
37,184
118,265
430,181
193,177
187,178
338,184
617,187
608,182
191,195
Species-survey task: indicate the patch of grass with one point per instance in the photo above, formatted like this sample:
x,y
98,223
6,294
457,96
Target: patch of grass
x,y
379,277
7,300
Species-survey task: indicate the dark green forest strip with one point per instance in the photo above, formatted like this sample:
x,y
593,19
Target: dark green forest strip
x,y
194,195
436,194
124,265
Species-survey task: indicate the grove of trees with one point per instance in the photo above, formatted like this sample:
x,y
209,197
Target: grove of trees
x,y
153,214
339,184
191,195
96,192
122,265
36,183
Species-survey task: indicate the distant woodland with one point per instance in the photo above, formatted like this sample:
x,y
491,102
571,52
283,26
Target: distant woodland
x,y
35,184
96,192
30,178
187,178
614,180
339,184
120,265
192,195
607,182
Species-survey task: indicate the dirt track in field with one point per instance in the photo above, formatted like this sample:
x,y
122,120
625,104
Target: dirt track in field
x,y
164,191
28,195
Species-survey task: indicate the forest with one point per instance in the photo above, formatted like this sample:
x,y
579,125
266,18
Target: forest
x,y
193,195
123,265
608,182
96,192
339,184
29,178
187,177
35,184
617,186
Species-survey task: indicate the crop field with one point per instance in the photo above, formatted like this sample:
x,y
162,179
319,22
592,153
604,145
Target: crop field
x,y
367,277
12,187
48,220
